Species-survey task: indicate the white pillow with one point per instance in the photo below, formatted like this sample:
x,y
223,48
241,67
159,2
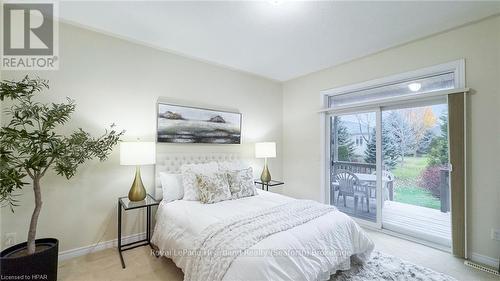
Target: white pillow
x,y
171,185
189,171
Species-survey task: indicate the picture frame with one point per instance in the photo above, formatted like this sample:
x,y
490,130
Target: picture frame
x,y
189,124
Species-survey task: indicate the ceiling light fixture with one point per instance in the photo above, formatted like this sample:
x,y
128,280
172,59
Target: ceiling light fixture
x,y
414,87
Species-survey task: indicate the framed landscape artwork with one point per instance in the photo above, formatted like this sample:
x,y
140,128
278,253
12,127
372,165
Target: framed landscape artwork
x,y
184,124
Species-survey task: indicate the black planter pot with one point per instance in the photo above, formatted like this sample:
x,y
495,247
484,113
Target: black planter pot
x,y
42,265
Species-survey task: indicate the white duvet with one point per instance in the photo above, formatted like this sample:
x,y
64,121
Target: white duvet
x,y
311,251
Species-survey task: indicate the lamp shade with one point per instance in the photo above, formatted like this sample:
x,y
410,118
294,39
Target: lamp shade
x,y
137,153
265,150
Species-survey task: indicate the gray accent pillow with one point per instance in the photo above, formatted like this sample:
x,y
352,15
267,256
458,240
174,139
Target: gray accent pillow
x,y
241,183
213,187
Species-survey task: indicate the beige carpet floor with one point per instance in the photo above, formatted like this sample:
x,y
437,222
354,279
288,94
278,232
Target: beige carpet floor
x,y
105,265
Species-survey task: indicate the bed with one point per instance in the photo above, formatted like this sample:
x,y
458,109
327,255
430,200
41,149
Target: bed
x,y
299,240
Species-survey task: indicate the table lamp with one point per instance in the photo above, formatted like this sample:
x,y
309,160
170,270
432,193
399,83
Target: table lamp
x,y
265,150
137,153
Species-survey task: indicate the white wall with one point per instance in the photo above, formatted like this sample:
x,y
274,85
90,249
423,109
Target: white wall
x,y
479,44
113,80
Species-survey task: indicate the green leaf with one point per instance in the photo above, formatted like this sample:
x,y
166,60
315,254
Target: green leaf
x,y
30,144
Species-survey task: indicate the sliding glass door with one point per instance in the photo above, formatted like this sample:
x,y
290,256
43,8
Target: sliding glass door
x,y
353,165
389,168
415,171
387,153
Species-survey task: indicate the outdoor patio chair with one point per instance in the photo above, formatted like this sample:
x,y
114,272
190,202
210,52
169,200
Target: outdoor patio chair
x,y
388,185
348,186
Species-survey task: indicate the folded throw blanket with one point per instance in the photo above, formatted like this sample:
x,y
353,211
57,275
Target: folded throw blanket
x,y
221,243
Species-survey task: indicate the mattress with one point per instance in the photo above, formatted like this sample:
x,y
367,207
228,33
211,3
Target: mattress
x,y
311,251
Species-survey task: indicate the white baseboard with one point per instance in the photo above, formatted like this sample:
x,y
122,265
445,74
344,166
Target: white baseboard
x,y
73,253
489,261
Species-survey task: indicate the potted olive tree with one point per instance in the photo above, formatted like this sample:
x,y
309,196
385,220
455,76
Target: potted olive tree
x,y
30,145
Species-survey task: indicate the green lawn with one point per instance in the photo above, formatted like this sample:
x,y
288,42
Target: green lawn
x,y
406,189
416,196
411,168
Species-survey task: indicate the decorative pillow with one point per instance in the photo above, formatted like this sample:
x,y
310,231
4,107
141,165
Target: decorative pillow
x,y
241,183
171,185
189,171
213,187
232,166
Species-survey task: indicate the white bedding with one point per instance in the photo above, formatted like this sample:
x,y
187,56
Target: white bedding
x,y
180,222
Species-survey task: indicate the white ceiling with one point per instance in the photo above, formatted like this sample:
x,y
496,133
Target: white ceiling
x,y
276,41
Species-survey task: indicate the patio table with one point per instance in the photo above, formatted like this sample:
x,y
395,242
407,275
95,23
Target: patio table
x,y
371,181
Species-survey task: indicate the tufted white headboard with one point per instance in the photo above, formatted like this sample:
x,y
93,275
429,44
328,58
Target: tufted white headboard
x,y
171,163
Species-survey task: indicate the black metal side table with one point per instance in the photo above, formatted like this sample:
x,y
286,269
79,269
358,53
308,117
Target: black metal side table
x,y
268,184
125,204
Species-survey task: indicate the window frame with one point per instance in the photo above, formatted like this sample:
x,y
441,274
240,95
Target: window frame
x,y
457,67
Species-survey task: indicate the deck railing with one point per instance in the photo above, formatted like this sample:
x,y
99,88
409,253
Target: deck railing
x,y
354,167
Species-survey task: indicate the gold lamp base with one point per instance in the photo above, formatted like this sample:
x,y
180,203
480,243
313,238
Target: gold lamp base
x,y
266,175
137,191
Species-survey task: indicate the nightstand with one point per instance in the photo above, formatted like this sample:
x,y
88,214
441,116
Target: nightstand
x,y
268,184
125,204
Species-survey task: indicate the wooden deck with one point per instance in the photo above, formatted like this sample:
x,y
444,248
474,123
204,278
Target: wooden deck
x,y
361,214
423,223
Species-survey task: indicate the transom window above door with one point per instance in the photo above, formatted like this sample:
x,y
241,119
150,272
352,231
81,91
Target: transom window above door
x,y
427,84
414,85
